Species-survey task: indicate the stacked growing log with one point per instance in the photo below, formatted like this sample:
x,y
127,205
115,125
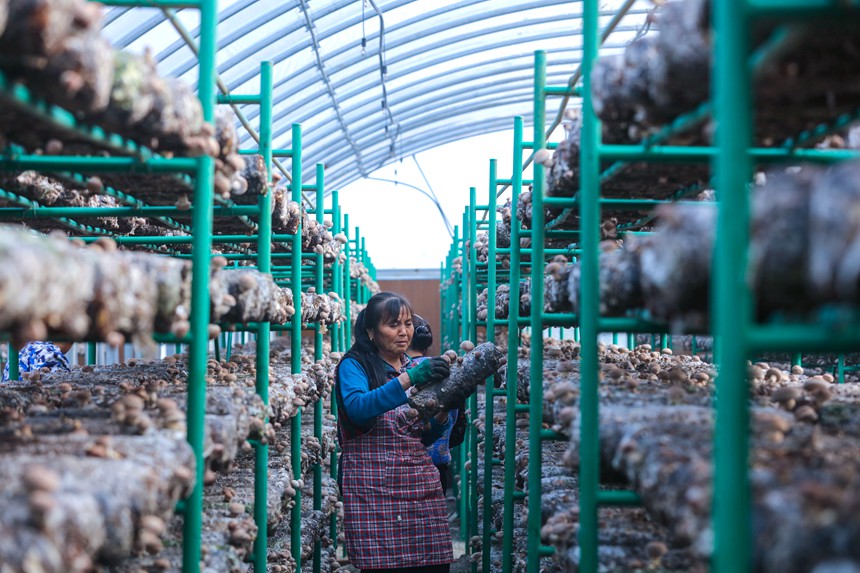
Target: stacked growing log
x,y
52,287
357,270
656,421
122,428
803,255
658,434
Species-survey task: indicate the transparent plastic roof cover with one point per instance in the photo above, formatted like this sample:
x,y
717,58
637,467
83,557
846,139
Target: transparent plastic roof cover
x,y
373,81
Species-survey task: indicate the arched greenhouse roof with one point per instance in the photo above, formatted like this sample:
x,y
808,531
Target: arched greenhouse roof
x,y
372,81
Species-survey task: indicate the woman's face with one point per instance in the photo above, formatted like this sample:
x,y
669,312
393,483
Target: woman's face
x,y
393,337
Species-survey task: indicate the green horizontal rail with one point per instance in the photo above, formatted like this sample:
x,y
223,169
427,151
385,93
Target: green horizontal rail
x,y
152,3
795,9
680,154
618,498
562,91
552,435
155,211
530,145
275,152
62,118
819,337
528,251
254,327
238,99
98,164
251,257
178,240
630,324
631,204
548,319
557,233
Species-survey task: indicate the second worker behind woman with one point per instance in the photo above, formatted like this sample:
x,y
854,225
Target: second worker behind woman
x,y
454,421
395,517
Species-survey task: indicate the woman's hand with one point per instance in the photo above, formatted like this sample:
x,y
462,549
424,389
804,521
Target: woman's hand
x,y
430,370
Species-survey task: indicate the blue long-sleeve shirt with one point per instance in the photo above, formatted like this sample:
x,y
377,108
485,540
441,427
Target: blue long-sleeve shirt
x,y
362,404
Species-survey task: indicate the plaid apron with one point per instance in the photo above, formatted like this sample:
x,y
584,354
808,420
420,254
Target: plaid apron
x,y
394,509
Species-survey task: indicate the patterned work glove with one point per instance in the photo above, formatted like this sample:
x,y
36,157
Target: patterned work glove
x,y
430,370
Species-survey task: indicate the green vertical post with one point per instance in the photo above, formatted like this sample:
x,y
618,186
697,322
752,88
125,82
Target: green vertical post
x,y
511,381
14,366
631,341
338,344
840,368
91,353
731,305
264,265
458,289
366,261
201,252
664,340
614,338
797,359
319,205
465,480
470,259
296,348
589,213
347,287
359,258
536,323
488,386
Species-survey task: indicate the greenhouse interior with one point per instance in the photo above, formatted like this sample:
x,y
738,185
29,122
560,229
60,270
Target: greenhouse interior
x,y
206,371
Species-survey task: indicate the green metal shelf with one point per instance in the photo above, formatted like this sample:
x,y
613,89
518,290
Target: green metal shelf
x,y
134,158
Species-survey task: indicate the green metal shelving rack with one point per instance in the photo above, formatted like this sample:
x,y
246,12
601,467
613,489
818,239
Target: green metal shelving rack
x,y
201,238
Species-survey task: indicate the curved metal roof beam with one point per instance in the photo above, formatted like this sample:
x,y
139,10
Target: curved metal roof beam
x,y
446,57
369,147
250,51
115,13
337,177
398,73
428,105
234,10
421,84
462,91
283,114
400,98
139,30
407,38
335,105
289,115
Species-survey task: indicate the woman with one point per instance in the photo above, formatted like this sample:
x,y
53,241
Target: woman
x,y
395,518
453,421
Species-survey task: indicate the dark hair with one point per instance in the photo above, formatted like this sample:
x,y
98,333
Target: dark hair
x,y
422,338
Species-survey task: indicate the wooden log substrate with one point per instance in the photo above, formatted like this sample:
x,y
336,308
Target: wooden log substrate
x,y
66,427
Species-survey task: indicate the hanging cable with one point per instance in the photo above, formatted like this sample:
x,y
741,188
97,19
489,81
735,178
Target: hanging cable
x,y
421,171
392,128
435,201
330,88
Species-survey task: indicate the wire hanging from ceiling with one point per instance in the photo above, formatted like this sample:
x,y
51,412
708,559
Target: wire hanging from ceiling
x,y
392,127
